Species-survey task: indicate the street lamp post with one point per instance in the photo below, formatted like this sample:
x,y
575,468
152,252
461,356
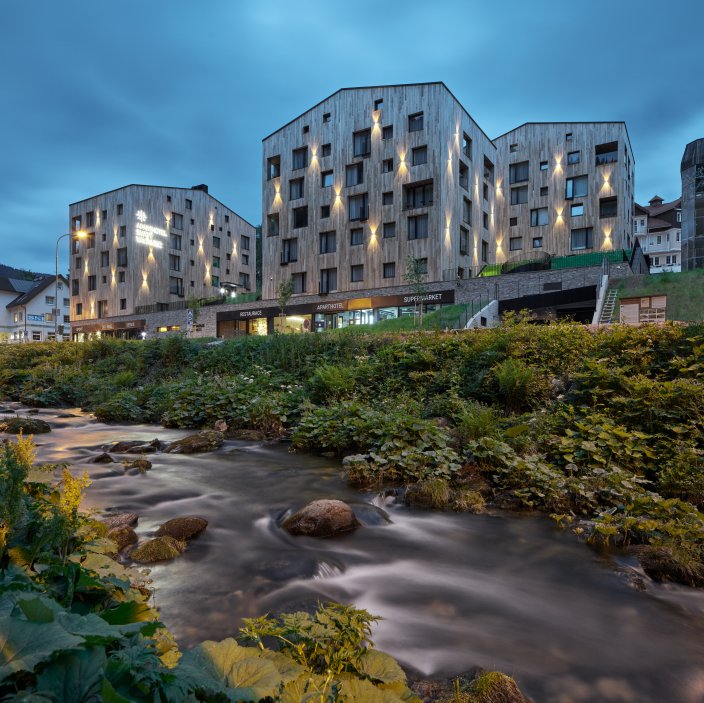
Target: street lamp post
x,y
79,234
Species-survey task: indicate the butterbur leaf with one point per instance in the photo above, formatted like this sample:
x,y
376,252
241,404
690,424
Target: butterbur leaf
x,y
288,669
380,666
37,609
128,612
110,695
24,644
401,690
75,676
359,691
257,675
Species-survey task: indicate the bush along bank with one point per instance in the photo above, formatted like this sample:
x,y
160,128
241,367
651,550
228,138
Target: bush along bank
x,y
77,626
601,430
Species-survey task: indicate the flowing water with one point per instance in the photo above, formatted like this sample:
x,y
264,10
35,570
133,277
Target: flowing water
x,y
456,591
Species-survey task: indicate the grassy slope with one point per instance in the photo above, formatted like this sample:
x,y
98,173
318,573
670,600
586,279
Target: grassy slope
x,y
685,292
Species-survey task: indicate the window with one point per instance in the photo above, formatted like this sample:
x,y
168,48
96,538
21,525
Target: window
x,y
419,156
387,198
324,212
515,243
606,153
174,242
300,158
357,273
358,207
485,220
390,269
464,175
18,316
299,282
77,223
49,300
272,224
91,283
306,129
215,281
488,171
90,241
104,259
289,250
513,148
513,222
354,174
467,211
537,242
543,165
326,117
216,262
464,241
300,217
577,210
66,302
123,303
104,279
467,146
325,150
90,219
581,239
519,195
189,206
104,216
36,336
168,198
121,277
518,172
216,242
485,191
387,166
326,179
577,187
192,221
539,217
295,189
418,227
356,236
656,261
328,242
174,262
176,286
328,280
419,195
120,209
378,104
362,142
273,167
75,286
387,132
415,122
679,215
75,246
568,136
543,191
245,242
608,207
422,265
573,157
79,308
389,230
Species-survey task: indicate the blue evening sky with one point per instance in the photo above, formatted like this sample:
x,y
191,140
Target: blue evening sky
x,y
101,93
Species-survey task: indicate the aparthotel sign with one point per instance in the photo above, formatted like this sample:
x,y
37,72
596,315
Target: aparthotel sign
x,y
146,234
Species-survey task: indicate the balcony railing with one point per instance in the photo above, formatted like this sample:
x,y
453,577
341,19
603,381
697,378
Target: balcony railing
x,y
415,204
361,215
609,157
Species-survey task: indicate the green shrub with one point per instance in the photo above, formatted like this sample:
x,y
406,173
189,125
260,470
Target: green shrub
x,y
121,408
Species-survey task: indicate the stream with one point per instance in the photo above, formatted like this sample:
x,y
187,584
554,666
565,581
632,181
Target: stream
x,y
456,591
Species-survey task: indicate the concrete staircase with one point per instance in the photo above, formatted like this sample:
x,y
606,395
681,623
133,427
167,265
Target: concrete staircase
x,y
607,312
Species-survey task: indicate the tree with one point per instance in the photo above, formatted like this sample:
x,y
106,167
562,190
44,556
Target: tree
x,y
415,277
283,295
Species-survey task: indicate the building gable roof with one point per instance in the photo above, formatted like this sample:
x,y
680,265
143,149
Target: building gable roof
x,y
35,288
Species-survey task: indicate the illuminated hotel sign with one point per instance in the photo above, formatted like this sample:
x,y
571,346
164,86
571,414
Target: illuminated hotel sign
x,y
148,234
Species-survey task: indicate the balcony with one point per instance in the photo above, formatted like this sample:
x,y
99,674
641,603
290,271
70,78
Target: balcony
x,y
607,158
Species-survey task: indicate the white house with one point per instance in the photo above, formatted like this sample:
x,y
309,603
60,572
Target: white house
x,y
29,311
658,228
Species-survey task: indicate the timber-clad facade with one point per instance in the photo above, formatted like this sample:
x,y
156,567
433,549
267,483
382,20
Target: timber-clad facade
x,y
370,177
141,248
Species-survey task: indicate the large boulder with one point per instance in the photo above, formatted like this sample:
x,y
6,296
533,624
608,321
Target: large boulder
x,y
120,520
665,564
158,549
205,441
183,528
26,425
322,518
140,465
122,536
103,458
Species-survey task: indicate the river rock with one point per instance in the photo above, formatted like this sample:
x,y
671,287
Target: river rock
x,y
122,536
120,520
662,564
220,426
137,446
248,435
158,549
183,528
122,447
26,425
322,518
139,464
103,458
204,441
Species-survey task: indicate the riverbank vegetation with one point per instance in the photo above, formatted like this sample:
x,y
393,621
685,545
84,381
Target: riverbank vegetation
x,y
604,430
